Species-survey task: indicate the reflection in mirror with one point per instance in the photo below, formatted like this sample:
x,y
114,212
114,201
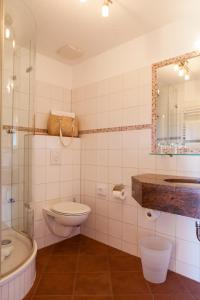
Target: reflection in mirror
x,y
176,105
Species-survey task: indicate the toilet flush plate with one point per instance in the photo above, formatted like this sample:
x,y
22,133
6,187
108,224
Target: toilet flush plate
x,y
55,157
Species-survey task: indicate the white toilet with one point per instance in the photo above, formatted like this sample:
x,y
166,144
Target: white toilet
x,y
64,217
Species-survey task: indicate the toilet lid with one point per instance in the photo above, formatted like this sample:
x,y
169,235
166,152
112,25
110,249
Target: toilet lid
x,y
70,208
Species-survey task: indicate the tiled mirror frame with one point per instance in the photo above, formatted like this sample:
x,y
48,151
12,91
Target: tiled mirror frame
x,y
155,67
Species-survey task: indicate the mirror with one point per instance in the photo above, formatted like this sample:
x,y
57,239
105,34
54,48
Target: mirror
x,y
176,105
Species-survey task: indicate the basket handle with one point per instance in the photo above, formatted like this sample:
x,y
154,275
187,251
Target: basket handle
x,y
61,135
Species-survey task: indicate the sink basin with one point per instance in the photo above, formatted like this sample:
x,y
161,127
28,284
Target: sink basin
x,y
180,180
178,195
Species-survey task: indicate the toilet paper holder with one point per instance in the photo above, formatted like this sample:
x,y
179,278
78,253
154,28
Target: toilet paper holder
x,y
119,192
119,187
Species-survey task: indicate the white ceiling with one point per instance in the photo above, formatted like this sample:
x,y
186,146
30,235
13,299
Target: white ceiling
x,y
60,22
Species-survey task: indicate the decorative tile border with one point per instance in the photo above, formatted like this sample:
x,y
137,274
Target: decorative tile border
x,y
155,67
25,129
115,129
81,132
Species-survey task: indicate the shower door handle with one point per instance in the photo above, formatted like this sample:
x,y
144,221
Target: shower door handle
x,y
11,200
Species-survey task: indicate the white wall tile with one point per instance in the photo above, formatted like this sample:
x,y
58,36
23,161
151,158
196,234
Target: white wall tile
x,y
115,228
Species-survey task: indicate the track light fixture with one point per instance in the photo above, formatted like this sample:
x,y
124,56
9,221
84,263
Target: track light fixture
x,y
105,9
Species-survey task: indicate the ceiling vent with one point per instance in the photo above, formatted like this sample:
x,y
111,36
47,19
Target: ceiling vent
x,y
70,52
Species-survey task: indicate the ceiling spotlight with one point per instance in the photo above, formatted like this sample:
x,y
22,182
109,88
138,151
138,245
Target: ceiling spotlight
x,y
83,1
7,33
181,72
105,10
187,76
176,67
183,69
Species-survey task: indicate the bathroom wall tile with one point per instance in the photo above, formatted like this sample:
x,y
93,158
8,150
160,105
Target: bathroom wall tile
x,y
115,228
116,84
90,201
102,207
66,156
188,252
166,224
130,158
75,175
115,210
115,118
143,221
188,270
114,140
114,158
101,237
39,192
127,173
101,224
102,103
114,175
115,242
185,229
131,116
130,248
130,140
38,142
102,158
66,189
130,214
130,233
131,98
116,101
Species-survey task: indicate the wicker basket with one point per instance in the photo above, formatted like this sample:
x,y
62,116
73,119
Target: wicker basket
x,y
66,126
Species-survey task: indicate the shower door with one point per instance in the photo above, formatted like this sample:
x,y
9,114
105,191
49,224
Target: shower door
x,y
16,125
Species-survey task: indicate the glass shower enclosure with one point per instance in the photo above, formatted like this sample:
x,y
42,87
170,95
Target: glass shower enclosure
x,y
17,123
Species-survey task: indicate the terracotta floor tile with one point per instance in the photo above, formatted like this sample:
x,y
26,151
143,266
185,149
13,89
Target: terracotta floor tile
x,y
134,297
45,251
125,283
179,296
125,263
58,264
56,284
41,262
49,297
93,263
171,285
93,247
191,285
93,284
81,268
113,251
93,298
66,248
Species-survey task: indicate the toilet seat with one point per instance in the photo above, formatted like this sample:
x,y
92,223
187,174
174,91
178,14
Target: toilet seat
x,y
69,208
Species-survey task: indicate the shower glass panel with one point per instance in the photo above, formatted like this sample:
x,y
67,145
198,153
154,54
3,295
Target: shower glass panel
x,y
17,124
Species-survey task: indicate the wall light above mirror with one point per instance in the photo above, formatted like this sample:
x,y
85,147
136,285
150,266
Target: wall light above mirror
x,y
176,105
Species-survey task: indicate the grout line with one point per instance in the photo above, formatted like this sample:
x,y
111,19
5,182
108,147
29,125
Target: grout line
x,y
76,273
108,257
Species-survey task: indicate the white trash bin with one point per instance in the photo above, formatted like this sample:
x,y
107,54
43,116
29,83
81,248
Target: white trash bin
x,y
155,255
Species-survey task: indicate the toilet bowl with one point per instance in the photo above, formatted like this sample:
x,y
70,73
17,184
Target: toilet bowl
x,y
63,217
